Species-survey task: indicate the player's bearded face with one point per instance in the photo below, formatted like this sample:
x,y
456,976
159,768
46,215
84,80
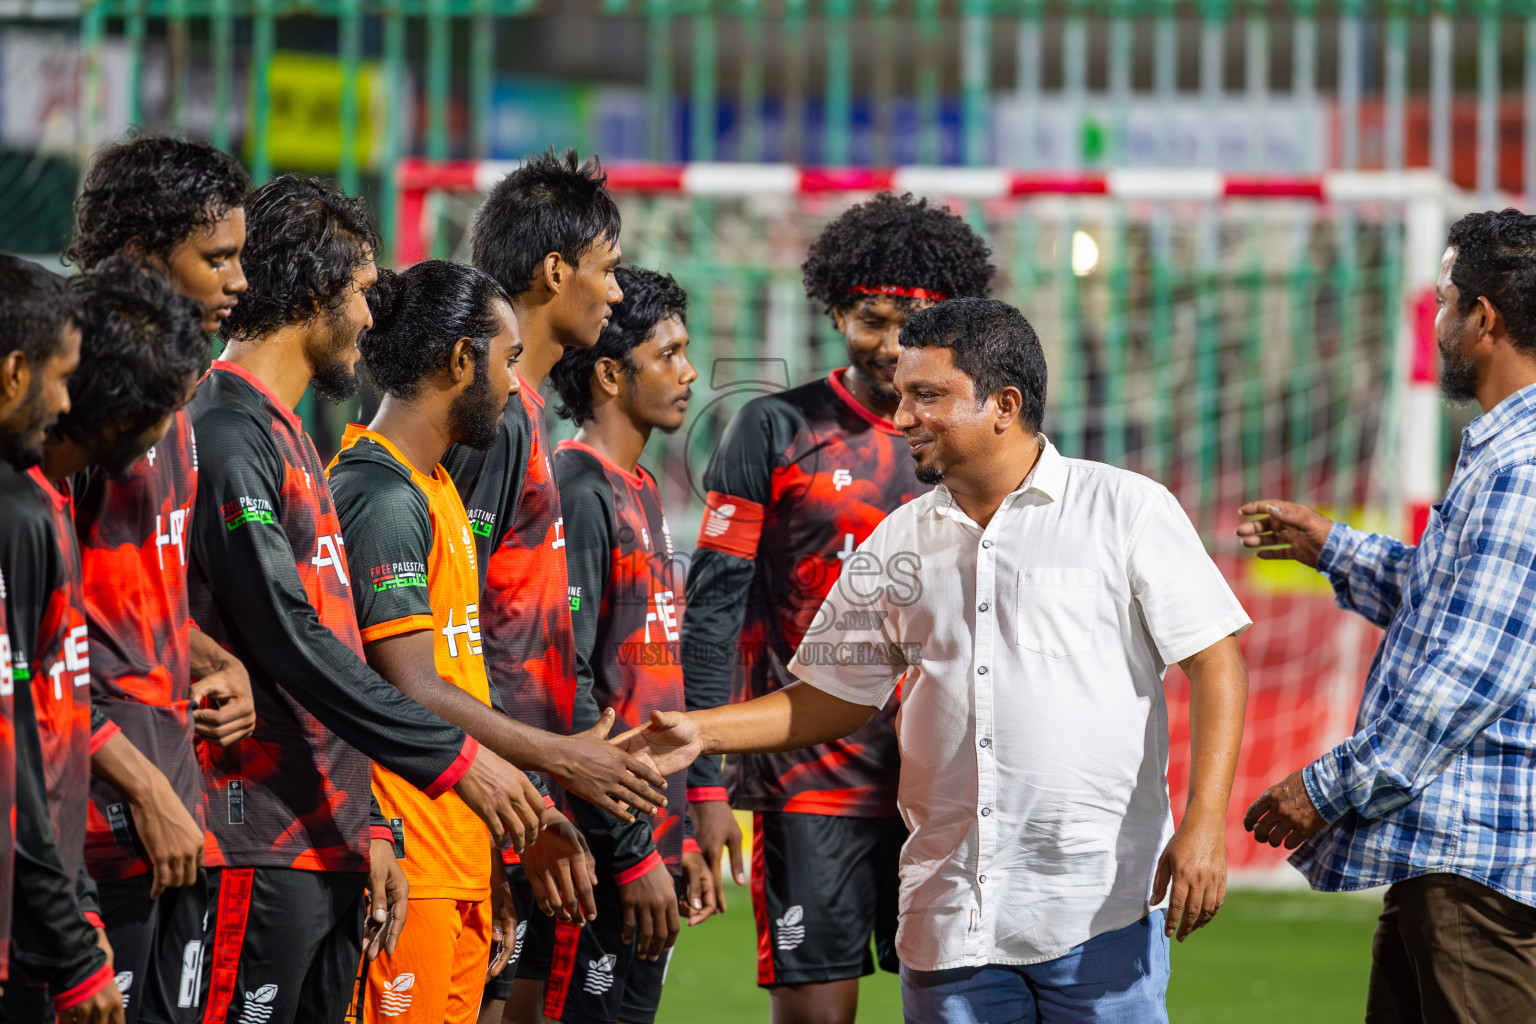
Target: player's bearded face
x,y
870,328
47,398
334,354
475,414
1458,373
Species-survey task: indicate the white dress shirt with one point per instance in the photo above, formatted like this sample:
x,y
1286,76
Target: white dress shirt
x,y
1033,731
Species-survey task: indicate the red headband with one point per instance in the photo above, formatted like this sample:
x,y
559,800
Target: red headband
x,y
896,289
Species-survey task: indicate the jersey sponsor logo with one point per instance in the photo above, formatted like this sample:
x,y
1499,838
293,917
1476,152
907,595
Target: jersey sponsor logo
x,y
790,931
666,536
76,661
235,793
191,971
150,455
7,671
117,821
575,595
247,510
848,547
469,546
718,520
397,995
664,613
517,947
124,979
731,525
600,975
171,532
841,478
559,541
328,549
259,1006
396,575
470,629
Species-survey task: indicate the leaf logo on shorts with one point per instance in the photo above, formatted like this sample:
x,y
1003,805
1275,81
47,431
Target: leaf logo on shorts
x,y
397,995
790,931
600,975
517,949
124,983
258,1005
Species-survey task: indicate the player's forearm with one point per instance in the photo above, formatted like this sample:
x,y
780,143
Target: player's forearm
x,y
207,657
795,717
121,764
1218,696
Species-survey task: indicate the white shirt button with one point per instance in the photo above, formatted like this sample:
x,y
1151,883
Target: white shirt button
x,y
981,878
986,812
982,607
986,543
982,671
986,742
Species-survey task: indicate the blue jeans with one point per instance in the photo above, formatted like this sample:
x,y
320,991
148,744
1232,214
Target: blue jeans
x,y
1117,978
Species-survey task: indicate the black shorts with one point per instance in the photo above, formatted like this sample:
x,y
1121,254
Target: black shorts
x,y
157,948
595,977
535,939
285,945
821,885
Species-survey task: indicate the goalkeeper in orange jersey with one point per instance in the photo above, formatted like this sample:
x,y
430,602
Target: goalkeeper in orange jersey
x,y
441,349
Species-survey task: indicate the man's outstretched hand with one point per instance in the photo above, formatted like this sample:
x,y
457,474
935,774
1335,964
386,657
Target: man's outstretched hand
x,y
608,774
670,741
1284,814
1284,529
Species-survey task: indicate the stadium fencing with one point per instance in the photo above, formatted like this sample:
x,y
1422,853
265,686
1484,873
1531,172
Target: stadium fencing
x,y
1231,337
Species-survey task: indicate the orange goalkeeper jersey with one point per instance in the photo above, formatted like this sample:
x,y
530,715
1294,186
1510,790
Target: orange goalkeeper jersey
x,y
409,542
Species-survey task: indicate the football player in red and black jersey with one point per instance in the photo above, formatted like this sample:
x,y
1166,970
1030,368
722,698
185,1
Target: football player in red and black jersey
x,y
549,234
290,806
42,346
796,484
626,611
174,207
141,349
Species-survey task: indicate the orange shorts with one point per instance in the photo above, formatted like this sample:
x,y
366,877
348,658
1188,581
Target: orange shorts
x,y
437,972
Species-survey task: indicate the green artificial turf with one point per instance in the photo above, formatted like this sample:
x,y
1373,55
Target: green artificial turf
x,y
1271,956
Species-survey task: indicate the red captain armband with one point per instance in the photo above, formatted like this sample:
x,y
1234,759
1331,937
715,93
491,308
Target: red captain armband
x,y
731,525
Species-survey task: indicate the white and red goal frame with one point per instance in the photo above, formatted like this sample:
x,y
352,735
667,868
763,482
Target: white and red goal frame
x,y
1426,200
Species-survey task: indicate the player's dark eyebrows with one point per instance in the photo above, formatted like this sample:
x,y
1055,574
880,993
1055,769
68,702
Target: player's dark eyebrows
x,y
222,251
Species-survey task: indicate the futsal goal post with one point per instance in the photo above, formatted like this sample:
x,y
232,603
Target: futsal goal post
x,y
1233,337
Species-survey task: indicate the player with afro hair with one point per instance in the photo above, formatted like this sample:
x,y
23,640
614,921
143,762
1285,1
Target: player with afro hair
x,y
799,480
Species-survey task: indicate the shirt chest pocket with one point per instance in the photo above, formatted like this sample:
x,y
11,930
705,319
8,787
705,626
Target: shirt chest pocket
x,y
1057,610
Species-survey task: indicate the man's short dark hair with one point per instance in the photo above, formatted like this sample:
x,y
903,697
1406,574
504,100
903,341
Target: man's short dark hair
x,y
1496,259
896,242
141,345
419,314
552,203
155,191
35,304
304,239
649,298
991,343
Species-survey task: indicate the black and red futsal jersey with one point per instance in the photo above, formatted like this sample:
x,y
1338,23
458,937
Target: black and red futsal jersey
x,y
7,780
50,656
270,582
134,548
627,611
799,480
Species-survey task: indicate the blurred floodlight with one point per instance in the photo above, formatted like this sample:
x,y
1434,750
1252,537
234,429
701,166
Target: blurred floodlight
x,y
1085,253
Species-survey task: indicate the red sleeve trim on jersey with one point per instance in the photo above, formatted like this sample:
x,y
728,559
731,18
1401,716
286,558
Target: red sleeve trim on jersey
x,y
93,919
705,794
396,627
732,525
643,868
691,845
381,833
455,771
100,736
86,989
549,803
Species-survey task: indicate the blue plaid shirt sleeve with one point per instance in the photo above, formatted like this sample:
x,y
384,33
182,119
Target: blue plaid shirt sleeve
x,y
1367,570
1482,660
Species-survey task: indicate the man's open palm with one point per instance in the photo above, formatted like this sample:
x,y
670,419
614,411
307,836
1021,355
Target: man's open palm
x,y
1284,529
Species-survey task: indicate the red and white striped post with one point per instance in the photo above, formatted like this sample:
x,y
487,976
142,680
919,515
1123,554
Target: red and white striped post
x,y
1422,476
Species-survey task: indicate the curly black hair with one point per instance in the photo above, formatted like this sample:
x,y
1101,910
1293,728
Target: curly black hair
x,y
35,304
419,314
1496,259
154,190
141,345
552,203
991,343
896,241
304,238
649,298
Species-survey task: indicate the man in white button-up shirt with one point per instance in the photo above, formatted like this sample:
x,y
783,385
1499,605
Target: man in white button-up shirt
x,y
1028,607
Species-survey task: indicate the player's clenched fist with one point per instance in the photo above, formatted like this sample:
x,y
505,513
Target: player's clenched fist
x,y
503,798
1284,529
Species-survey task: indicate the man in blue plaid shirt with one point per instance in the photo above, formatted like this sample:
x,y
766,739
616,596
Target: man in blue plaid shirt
x,y
1435,793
